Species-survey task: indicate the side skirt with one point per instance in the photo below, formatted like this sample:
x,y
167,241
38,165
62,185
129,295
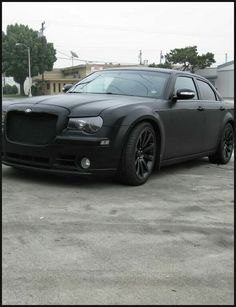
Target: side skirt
x,y
186,158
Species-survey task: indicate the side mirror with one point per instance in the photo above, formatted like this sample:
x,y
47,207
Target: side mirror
x,y
184,94
66,87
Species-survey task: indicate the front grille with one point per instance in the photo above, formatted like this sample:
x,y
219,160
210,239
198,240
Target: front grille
x,y
31,128
66,160
27,160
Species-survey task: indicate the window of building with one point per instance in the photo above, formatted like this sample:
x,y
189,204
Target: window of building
x,y
48,86
206,91
59,87
185,83
54,87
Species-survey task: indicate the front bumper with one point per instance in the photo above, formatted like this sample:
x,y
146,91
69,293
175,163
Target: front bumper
x,y
62,150
63,155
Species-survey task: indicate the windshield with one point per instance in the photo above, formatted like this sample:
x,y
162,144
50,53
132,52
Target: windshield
x,y
131,83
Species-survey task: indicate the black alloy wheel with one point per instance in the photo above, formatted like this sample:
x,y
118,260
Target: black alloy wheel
x,y
226,146
139,156
228,142
144,154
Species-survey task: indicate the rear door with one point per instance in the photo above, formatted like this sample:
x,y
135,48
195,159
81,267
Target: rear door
x,y
214,111
186,125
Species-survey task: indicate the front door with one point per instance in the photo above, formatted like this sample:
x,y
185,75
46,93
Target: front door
x,y
187,121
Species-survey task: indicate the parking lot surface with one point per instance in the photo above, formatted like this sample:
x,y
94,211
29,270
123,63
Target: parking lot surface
x,y
70,240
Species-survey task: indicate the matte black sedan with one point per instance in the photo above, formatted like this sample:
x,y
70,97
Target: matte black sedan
x,y
122,122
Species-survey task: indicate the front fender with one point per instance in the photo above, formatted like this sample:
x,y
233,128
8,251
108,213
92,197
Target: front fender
x,y
128,119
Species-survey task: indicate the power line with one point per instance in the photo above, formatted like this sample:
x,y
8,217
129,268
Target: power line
x,y
89,61
63,53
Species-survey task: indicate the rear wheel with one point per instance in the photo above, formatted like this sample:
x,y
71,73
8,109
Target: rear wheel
x,y
226,146
138,158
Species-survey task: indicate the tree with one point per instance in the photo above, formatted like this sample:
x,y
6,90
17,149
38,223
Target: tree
x,y
161,65
15,58
189,59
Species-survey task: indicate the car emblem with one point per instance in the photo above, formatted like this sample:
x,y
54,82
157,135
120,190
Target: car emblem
x,y
28,110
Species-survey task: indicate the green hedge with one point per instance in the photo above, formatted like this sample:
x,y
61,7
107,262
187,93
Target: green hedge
x,y
10,89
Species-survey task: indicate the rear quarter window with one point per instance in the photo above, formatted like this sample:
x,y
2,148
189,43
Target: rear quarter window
x,y
206,92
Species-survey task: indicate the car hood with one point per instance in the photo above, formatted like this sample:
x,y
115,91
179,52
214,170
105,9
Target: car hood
x,y
81,104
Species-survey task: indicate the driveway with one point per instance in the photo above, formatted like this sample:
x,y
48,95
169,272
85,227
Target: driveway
x,y
92,241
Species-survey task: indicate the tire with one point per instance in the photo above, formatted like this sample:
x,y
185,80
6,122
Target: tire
x,y
139,155
226,146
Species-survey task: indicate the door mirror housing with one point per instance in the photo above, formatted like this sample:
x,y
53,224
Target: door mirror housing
x,y
184,94
66,87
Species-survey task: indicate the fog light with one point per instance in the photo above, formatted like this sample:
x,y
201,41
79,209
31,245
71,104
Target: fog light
x,y
85,163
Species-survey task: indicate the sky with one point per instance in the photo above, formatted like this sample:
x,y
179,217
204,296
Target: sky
x,y
117,31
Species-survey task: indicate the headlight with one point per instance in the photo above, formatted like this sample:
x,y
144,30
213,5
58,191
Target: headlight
x,y
86,124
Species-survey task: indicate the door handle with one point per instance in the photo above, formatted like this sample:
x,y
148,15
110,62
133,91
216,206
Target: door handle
x,y
222,108
200,108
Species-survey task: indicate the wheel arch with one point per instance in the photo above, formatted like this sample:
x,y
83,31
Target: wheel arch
x,y
228,119
231,121
158,127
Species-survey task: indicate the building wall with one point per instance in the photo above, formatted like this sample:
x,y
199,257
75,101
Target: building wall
x,y
75,72
54,87
225,83
51,75
210,72
222,77
226,66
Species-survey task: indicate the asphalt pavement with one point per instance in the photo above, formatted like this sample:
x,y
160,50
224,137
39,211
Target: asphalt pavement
x,y
70,240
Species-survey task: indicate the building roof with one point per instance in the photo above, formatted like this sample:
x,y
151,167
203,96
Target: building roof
x,y
73,67
225,64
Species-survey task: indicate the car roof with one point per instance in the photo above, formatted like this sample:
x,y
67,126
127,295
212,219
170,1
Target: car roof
x,y
156,69
141,68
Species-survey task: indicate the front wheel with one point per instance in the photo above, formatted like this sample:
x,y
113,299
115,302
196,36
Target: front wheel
x,y
226,146
138,158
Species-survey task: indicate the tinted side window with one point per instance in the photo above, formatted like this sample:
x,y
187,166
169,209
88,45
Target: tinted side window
x,y
185,83
206,91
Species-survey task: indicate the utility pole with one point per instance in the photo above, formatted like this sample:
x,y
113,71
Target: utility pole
x,y
73,55
140,57
161,56
3,82
30,81
42,27
226,57
41,34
